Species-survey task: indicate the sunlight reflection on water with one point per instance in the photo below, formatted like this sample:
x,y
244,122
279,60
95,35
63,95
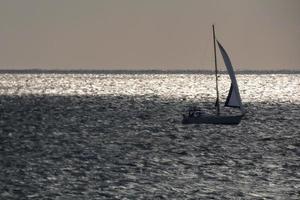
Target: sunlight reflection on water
x,y
120,136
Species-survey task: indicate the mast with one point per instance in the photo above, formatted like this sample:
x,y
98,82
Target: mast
x,y
216,72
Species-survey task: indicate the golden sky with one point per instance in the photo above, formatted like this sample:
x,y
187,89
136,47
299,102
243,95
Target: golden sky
x,y
148,34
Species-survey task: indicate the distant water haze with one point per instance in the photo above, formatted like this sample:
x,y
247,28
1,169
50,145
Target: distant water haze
x,y
143,34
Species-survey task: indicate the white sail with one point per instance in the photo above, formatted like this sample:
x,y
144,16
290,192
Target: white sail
x,y
233,98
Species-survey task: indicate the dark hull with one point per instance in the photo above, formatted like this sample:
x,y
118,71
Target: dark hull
x,y
212,119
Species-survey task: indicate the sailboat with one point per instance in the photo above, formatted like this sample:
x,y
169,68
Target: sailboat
x,y
197,116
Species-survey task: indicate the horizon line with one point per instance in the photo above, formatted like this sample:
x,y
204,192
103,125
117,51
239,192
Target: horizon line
x,y
142,71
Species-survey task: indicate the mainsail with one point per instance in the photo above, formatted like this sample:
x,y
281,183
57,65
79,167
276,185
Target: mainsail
x,y
233,98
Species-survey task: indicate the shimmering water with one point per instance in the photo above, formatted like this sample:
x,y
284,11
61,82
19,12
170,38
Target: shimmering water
x,y
104,136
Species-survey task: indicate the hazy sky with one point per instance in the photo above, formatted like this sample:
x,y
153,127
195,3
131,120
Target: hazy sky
x,y
148,34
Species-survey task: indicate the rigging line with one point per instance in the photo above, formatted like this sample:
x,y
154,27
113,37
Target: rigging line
x,y
216,72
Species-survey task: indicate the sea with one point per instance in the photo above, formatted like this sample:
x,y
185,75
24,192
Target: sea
x,y
120,136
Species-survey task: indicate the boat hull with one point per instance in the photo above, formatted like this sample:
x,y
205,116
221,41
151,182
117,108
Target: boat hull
x,y
212,119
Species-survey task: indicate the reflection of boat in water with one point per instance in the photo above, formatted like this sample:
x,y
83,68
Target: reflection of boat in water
x,y
197,116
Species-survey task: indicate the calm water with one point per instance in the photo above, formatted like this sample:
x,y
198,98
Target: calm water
x,y
81,136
